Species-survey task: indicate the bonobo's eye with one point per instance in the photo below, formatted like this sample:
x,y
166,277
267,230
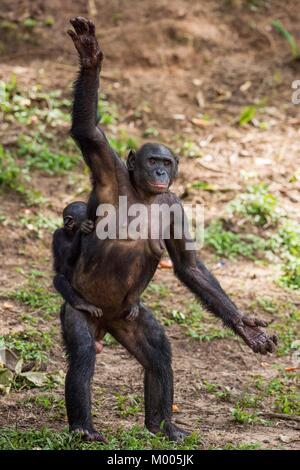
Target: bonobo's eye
x,y
167,163
152,161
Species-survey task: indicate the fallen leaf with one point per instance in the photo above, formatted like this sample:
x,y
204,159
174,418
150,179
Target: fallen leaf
x,y
201,122
6,378
175,408
8,306
8,359
37,378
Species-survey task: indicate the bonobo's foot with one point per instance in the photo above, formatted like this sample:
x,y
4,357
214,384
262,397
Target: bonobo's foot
x,y
87,226
95,312
170,430
90,434
133,314
254,337
85,41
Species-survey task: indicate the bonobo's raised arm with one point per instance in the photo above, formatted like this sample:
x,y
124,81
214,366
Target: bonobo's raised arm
x,y
90,138
205,286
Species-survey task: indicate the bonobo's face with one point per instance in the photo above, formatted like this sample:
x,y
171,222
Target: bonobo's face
x,y
154,167
73,215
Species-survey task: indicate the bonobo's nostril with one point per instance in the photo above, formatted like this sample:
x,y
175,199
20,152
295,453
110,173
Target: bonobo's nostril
x,y
160,172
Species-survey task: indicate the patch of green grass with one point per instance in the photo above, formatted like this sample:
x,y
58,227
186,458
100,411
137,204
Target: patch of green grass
x,y
39,155
42,113
30,345
258,205
231,245
37,295
197,323
281,236
122,143
285,394
241,416
37,223
47,402
219,391
109,340
46,439
128,405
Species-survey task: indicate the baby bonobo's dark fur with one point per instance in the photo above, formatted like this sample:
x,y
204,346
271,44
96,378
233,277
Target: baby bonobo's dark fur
x,y
112,274
66,248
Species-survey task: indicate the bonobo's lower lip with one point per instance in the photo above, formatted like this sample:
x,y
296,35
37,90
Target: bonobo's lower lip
x,y
158,186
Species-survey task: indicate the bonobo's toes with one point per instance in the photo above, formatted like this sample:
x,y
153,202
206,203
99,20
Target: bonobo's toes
x,y
174,433
170,430
94,436
90,435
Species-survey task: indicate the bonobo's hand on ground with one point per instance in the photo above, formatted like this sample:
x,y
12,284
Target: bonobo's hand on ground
x,y
85,41
254,337
87,226
95,312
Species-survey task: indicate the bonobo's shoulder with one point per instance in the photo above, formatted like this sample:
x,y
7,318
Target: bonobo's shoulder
x,y
169,198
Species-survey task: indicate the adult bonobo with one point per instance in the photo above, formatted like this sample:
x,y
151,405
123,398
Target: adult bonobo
x,y
113,273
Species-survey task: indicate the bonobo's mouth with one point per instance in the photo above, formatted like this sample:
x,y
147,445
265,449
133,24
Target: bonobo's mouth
x,y
158,185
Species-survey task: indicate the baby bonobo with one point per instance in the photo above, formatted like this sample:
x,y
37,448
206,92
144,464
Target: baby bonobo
x,y
66,247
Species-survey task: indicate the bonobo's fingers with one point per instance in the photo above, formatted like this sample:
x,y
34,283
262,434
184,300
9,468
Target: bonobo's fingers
x,y
85,42
133,314
80,24
251,321
95,312
255,338
87,226
91,27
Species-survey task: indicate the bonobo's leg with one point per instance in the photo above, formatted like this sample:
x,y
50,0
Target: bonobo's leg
x,y
80,347
146,340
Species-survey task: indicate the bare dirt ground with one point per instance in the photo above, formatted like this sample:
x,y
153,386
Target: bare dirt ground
x,y
166,63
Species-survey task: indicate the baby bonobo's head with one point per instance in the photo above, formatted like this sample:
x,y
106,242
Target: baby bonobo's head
x,y
153,168
73,215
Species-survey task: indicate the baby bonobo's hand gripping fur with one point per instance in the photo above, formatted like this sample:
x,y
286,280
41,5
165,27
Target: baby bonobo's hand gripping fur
x,y
114,273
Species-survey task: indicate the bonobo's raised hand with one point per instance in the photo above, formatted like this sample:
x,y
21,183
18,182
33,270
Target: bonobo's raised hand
x,y
85,41
254,337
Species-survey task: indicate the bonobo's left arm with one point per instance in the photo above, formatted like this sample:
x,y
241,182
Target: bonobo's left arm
x,y
205,286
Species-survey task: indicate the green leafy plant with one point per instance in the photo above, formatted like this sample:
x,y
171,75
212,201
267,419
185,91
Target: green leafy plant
x,y
295,53
258,205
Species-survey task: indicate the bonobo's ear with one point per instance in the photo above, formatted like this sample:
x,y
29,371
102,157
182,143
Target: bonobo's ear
x,y
131,160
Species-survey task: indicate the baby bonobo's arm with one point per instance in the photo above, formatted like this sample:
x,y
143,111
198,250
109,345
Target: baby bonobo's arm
x,y
61,254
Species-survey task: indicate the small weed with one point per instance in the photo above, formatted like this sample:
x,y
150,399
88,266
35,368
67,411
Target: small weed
x,y
128,404
31,345
244,417
258,205
294,49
